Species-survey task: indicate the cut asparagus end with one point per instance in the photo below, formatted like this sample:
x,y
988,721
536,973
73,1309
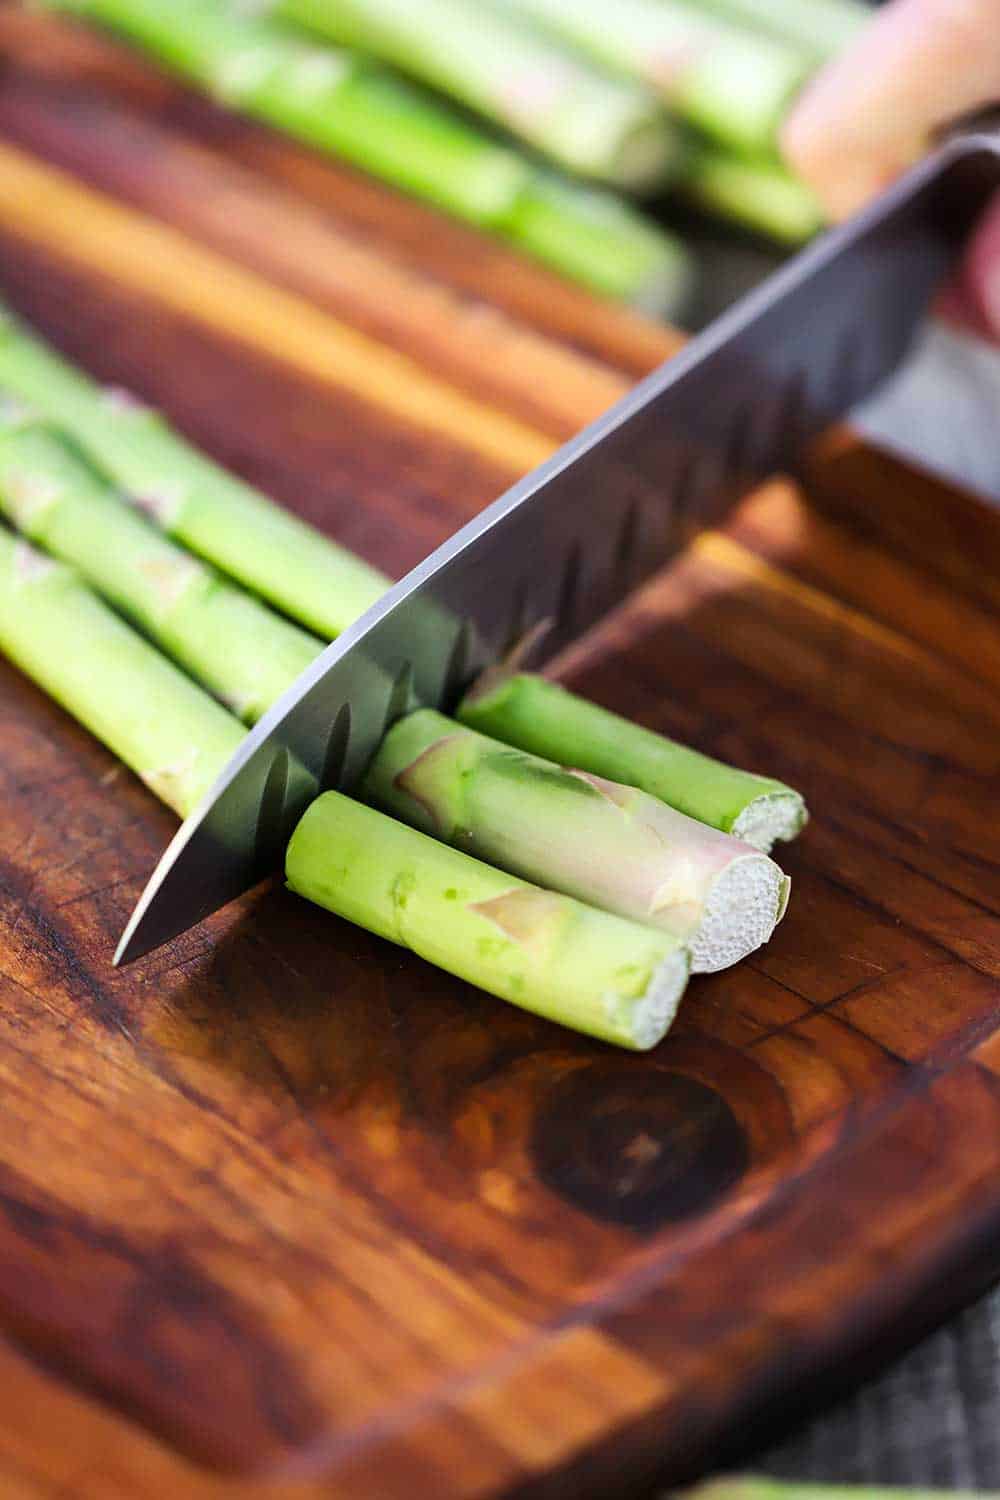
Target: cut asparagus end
x,y
598,973
742,909
776,817
653,1013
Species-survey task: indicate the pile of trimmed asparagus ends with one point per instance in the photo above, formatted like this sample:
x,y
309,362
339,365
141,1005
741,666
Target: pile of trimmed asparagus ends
x,y
539,121
536,845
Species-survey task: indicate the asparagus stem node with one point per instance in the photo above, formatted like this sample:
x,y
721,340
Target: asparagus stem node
x,y
547,953
543,718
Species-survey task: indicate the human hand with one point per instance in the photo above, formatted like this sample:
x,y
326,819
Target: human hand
x,y
919,65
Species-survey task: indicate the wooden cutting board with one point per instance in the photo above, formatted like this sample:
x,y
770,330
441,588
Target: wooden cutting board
x,y
286,1212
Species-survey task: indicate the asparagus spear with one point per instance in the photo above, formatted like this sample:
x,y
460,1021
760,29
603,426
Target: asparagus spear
x,y
599,240
762,195
609,845
735,85
207,509
171,733
481,54
546,720
226,638
822,28
546,953
332,100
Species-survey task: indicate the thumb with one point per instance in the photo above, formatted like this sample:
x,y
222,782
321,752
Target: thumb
x,y
916,66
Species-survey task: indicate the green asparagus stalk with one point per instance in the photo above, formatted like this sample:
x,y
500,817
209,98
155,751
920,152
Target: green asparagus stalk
x,y
822,28
546,720
750,1487
195,501
154,718
481,54
735,85
337,103
759,194
231,642
547,953
597,239
606,844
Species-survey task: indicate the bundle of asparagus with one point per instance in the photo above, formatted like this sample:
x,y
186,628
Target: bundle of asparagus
x,y
547,953
618,849
673,889
338,101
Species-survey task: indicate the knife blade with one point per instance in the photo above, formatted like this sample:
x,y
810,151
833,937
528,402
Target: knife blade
x,y
570,541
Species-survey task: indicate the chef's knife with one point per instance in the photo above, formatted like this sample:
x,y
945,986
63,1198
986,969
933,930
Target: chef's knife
x,y
571,541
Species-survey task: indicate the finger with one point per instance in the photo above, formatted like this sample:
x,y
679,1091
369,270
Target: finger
x,y
917,65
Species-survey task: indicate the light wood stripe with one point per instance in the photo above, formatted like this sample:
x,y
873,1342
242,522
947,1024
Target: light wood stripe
x,y
49,208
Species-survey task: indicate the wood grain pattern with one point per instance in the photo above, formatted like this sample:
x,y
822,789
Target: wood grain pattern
x,y
286,1212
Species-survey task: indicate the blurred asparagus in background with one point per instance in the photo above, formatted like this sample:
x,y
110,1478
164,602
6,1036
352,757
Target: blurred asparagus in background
x,y
339,102
483,55
758,193
733,84
822,28
642,97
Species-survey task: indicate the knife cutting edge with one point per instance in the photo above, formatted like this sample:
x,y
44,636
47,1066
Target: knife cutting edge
x,y
571,540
